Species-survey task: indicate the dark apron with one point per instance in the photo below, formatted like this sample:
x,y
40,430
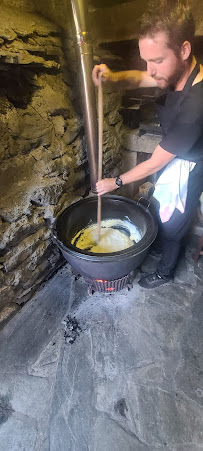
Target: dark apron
x,y
173,231
168,105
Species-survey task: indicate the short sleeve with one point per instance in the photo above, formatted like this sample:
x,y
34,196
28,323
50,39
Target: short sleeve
x,y
181,138
187,128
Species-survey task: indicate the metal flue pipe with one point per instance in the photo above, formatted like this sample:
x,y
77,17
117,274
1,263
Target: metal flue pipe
x,y
85,50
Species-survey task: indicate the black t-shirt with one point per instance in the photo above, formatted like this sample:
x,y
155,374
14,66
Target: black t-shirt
x,y
183,132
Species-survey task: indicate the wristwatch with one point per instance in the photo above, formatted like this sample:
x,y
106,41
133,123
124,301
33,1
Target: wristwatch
x,y
119,181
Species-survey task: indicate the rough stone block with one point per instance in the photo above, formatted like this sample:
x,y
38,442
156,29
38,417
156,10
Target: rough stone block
x,y
24,23
2,277
61,166
12,234
24,432
114,117
6,295
20,397
79,149
73,128
28,271
23,250
48,195
189,380
131,140
79,179
163,419
66,199
7,313
59,125
25,176
111,102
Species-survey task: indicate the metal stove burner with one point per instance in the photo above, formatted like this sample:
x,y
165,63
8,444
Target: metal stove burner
x,y
109,286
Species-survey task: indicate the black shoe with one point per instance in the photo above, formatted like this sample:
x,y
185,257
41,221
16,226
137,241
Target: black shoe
x,y
153,280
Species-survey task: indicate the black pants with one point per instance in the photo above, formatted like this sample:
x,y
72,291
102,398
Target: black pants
x,y
172,232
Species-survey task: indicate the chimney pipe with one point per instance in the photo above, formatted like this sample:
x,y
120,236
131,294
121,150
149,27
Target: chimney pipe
x,y
85,50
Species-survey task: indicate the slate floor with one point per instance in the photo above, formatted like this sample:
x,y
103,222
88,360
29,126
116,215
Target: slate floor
x,y
131,380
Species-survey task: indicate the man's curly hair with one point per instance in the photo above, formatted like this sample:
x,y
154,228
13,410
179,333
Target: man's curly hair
x,y
174,17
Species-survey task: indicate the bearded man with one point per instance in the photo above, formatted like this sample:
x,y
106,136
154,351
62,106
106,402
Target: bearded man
x,y
165,44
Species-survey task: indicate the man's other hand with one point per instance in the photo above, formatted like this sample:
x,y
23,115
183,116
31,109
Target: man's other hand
x,y
106,73
106,185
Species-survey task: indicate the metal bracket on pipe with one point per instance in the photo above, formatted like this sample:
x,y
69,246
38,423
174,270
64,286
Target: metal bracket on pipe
x,y
84,43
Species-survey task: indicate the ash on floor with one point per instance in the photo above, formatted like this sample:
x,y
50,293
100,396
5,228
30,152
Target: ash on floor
x,y
127,377
71,329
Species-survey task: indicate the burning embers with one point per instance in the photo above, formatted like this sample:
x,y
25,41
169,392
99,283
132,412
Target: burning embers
x,y
109,286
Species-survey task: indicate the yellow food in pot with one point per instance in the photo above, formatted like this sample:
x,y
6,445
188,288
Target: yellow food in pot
x,y
116,235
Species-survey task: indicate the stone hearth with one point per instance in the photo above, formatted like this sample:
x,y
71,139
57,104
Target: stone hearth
x,y
126,376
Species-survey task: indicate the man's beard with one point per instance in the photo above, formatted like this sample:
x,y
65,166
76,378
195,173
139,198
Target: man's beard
x,y
174,77
177,74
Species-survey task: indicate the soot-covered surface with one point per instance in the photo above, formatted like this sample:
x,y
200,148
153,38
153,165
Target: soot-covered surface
x,y
119,372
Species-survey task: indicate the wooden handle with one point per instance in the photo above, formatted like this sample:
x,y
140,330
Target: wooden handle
x,y
100,142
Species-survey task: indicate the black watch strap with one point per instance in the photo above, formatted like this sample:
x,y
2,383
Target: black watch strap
x,y
119,181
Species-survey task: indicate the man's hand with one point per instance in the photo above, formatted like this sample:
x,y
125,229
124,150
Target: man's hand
x,y
106,185
106,73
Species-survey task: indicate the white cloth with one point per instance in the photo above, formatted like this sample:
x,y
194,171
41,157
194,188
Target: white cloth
x,y
171,187
201,203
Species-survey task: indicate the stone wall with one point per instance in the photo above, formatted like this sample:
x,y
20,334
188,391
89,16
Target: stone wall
x,y
111,20
44,165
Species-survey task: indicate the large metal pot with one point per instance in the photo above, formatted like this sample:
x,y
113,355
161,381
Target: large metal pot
x,y
104,266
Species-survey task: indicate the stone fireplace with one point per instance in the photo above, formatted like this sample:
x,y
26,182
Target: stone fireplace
x,y
44,164
43,148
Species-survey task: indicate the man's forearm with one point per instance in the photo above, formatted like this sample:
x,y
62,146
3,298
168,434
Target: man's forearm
x,y
129,79
158,160
132,79
140,171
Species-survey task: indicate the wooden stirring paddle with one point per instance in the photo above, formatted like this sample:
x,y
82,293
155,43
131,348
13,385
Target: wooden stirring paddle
x,y
100,151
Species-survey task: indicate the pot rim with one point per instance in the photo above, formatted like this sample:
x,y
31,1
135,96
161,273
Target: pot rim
x,y
136,249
